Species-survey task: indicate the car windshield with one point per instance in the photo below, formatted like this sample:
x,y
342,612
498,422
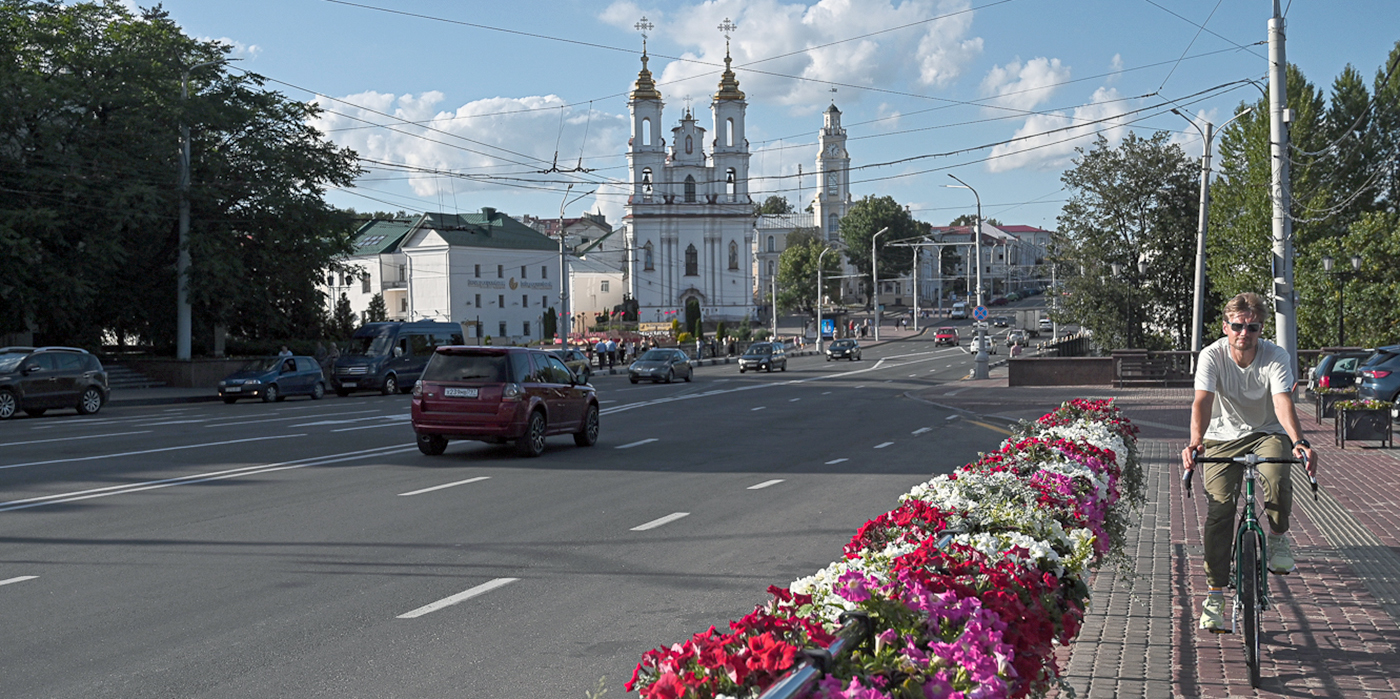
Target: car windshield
x,y
655,355
261,365
489,368
843,343
10,360
760,349
370,346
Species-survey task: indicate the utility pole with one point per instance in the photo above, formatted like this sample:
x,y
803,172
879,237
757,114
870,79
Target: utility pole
x,y
980,368
1285,314
875,280
182,262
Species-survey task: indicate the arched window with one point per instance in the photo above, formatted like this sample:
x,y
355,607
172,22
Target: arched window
x,y
731,184
648,260
688,145
646,132
689,189
733,255
692,261
772,247
729,132
646,182
832,223
770,269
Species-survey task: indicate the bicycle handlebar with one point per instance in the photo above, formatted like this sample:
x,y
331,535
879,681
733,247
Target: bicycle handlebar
x,y
1249,459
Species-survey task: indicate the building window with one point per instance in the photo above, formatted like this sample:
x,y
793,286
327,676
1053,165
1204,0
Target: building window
x,y
692,262
646,132
603,287
364,283
733,255
689,145
647,257
772,244
832,223
478,301
478,271
646,183
690,189
770,268
544,301
500,301
403,305
832,182
500,271
524,301
503,328
522,271
544,272
729,132
731,183
527,328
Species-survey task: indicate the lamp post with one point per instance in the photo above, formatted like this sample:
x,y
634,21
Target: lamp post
x,y
979,364
1341,276
819,296
875,281
1198,309
563,264
1117,274
182,264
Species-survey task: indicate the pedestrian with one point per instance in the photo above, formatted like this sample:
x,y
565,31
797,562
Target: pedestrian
x,y
1016,349
601,349
285,352
1243,404
612,352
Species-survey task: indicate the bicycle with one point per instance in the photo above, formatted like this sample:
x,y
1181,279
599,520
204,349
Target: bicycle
x,y
1248,580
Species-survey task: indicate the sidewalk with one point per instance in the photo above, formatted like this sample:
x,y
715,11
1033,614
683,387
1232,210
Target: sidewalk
x,y
1334,630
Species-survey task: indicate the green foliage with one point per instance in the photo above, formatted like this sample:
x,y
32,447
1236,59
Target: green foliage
x,y
376,312
551,323
774,204
971,219
868,216
797,272
744,333
721,331
342,323
685,337
760,334
692,315
1131,203
675,327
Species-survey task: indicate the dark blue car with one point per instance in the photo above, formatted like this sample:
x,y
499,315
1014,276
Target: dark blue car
x,y
274,378
1380,376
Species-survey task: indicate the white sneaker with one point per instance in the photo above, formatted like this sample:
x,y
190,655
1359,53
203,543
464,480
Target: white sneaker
x,y
1213,614
1280,555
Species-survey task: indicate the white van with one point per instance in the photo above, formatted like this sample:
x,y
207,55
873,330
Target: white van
x,y
959,311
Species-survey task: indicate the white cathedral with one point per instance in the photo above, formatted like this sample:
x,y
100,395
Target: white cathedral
x,y
689,216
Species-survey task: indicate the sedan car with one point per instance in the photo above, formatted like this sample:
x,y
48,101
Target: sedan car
x,y
843,349
39,379
1000,322
947,335
500,394
577,362
661,364
763,356
274,378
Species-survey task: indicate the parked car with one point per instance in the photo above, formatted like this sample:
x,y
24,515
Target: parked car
x,y
1013,296
763,356
389,357
845,348
577,362
975,346
661,364
998,301
39,379
946,335
274,378
499,394
1340,370
1380,377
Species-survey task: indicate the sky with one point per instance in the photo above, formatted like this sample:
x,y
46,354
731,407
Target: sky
x,y
457,105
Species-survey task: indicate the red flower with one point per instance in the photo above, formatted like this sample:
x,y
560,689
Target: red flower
x,y
771,654
667,686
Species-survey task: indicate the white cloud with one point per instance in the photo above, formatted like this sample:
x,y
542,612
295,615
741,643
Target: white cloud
x,y
1046,143
238,48
1116,68
1026,85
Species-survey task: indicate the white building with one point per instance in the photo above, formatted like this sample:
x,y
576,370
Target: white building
x,y
770,239
376,267
689,217
833,198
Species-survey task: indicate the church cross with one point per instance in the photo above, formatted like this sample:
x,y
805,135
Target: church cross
x,y
727,26
644,26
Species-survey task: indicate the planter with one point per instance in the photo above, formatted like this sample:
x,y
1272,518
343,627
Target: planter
x,y
1357,425
1325,402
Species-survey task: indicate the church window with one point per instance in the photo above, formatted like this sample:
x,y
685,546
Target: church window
x,y
646,183
689,189
692,261
832,223
646,132
772,245
770,269
688,145
733,255
729,132
648,260
731,183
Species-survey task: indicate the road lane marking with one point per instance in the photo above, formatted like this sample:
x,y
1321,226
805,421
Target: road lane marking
x,y
826,393
150,451
794,400
285,418
761,407
956,392
660,521
638,444
921,430
21,578
882,445
994,428
836,461
952,417
444,485
399,423
605,402
459,597
66,439
765,484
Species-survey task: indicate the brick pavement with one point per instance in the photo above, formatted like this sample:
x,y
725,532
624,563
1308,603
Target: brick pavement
x,y
1334,630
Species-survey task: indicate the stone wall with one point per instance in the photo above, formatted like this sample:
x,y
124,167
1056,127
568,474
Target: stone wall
x,y
1059,371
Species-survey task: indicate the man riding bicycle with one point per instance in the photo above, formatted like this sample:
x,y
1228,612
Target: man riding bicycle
x,y
1243,403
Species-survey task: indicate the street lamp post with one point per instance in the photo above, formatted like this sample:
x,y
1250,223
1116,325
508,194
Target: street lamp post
x,y
819,297
1142,274
875,281
1341,276
979,364
564,267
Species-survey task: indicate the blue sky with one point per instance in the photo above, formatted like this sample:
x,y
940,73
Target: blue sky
x,y
475,97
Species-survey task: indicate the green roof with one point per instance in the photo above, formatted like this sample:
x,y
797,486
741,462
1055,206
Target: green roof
x,y
488,229
380,236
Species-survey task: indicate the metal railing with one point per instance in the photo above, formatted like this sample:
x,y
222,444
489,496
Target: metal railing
x,y
815,663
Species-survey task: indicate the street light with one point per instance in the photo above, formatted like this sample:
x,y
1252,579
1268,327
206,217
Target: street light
x,y
1142,273
979,364
182,263
875,281
1341,276
819,296
1198,311
563,265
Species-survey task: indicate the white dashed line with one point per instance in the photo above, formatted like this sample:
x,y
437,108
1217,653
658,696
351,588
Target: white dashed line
x,y
151,451
882,445
65,439
922,430
459,597
765,484
658,522
21,578
637,444
951,417
444,485
761,407
794,400
836,461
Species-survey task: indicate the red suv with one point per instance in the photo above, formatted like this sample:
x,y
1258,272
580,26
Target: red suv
x,y
495,394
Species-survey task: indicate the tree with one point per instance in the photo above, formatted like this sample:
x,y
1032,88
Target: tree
x,y
970,219
551,323
774,204
864,219
1134,203
692,316
797,272
342,323
376,312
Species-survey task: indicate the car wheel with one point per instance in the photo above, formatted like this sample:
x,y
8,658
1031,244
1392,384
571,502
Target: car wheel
x,y
391,385
784,366
689,374
770,368
432,444
8,405
342,392
35,412
230,401
742,370
271,393
90,401
318,391
588,436
633,380
531,443
670,375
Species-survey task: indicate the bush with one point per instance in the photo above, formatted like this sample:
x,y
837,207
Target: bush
x,y
760,335
684,338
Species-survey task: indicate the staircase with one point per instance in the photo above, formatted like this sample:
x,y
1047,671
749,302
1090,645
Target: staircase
x,y
119,376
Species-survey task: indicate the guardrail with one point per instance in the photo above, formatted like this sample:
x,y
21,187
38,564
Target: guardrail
x,y
815,663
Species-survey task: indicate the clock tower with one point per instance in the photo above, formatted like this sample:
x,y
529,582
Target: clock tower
x,y
833,175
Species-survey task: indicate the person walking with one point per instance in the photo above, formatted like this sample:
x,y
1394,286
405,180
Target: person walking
x,y
601,349
612,353
1243,404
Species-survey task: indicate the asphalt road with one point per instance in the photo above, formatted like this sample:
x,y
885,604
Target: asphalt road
x,y
306,548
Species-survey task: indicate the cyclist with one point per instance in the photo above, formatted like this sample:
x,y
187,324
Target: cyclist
x,y
1243,403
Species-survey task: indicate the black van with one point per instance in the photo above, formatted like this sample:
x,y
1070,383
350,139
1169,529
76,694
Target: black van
x,y
389,357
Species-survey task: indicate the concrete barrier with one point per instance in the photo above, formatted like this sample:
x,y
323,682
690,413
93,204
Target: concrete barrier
x,y
1060,371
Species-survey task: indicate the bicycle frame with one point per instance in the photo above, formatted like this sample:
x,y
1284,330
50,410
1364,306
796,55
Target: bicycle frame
x,y
1249,526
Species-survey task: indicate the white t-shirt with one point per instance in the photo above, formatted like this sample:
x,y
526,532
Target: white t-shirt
x,y
1243,395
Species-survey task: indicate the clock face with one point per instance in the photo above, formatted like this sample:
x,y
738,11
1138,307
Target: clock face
x,y
833,149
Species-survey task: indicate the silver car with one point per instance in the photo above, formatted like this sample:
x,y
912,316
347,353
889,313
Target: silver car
x,y
661,364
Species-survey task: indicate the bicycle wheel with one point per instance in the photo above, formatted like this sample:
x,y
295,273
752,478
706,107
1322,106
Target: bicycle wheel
x,y
1249,595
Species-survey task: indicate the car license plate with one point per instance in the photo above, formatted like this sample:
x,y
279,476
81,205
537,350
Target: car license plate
x,y
349,384
233,389
459,392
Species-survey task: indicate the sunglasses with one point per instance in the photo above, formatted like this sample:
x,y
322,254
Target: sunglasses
x,y
1252,327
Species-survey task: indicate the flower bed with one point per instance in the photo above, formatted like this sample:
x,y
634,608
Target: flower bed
x,y
976,617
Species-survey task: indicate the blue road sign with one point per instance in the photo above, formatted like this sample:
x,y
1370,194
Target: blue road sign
x,y
980,313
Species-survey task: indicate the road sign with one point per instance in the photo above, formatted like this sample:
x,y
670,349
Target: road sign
x,y
980,313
